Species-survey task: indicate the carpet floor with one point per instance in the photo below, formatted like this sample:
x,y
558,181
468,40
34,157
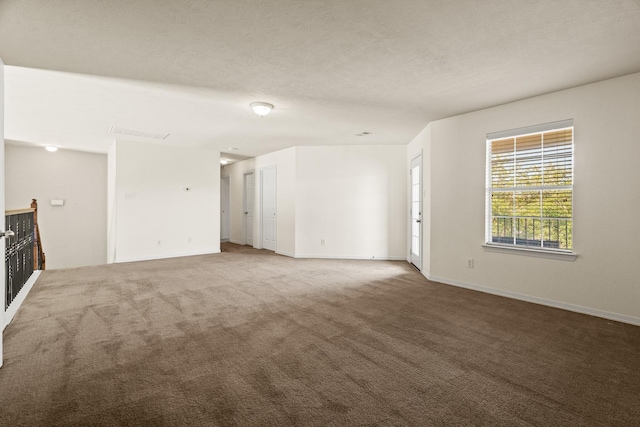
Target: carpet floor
x,y
250,338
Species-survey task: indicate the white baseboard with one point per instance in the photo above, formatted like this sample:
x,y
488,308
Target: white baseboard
x,y
542,301
386,258
19,299
324,256
289,254
118,261
237,242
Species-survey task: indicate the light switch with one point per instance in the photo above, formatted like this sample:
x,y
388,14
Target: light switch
x,y
57,202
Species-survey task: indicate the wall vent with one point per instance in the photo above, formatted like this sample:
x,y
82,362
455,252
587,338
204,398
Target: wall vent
x,y
137,133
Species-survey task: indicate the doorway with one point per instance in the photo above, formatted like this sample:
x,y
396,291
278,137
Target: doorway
x,y
416,212
268,178
225,220
247,206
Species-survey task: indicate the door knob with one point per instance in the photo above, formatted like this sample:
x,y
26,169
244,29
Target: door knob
x,y
8,233
418,220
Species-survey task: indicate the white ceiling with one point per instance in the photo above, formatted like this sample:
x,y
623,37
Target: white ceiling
x,y
333,68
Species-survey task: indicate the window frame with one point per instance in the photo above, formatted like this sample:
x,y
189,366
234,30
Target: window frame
x,y
540,251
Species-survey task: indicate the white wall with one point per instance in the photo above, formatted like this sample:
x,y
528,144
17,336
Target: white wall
x,y
603,279
155,216
74,234
354,198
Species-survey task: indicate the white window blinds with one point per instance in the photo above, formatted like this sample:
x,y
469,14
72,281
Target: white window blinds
x,y
530,187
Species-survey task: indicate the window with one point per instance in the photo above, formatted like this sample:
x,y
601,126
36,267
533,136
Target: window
x,y
530,187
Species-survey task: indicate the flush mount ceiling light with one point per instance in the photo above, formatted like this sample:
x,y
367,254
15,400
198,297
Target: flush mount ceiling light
x,y
261,108
51,148
224,161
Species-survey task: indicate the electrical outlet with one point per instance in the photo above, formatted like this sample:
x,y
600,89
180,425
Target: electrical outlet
x,y
159,242
469,262
322,242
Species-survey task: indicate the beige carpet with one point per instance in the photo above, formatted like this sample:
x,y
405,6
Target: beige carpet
x,y
250,338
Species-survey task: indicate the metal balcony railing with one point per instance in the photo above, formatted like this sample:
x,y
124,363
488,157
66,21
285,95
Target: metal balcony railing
x,y
552,233
23,250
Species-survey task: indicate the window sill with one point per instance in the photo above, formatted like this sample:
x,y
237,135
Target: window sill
x,y
540,253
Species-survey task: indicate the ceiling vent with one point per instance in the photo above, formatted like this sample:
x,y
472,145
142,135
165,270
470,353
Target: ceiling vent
x,y
137,133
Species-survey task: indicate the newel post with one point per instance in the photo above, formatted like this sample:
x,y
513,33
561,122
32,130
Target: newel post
x,y
39,261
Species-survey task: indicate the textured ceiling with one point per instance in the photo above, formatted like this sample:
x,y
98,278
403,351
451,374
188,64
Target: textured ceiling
x,y
333,68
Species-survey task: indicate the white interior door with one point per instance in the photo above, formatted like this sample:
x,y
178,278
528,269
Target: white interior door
x,y
2,269
416,212
268,187
249,194
225,226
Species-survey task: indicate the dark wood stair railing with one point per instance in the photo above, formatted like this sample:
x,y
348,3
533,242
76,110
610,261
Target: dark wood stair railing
x,y
39,259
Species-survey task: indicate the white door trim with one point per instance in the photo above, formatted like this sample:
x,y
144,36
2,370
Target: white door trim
x,y
262,171
416,259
